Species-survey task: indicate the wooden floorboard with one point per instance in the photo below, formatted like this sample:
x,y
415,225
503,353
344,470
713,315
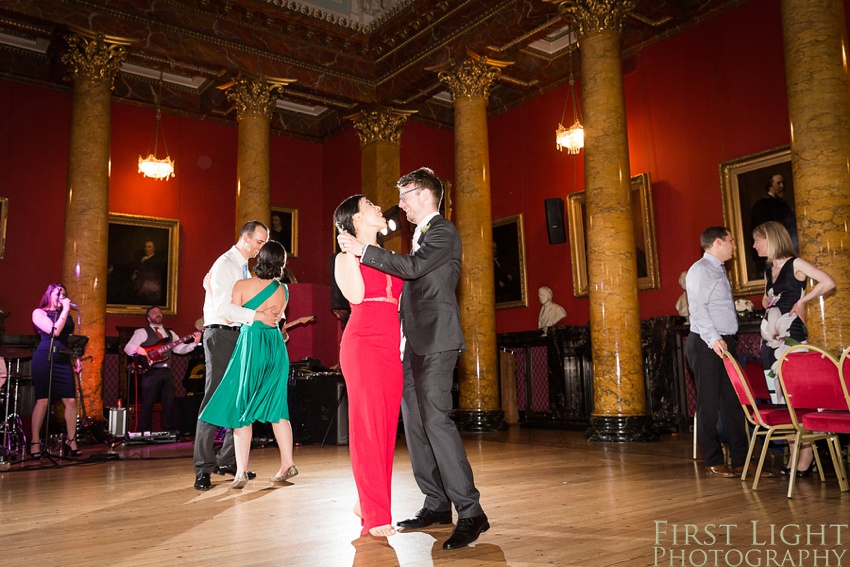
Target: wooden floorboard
x,y
552,498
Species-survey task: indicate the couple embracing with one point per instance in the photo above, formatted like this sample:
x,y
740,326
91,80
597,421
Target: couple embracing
x,y
372,279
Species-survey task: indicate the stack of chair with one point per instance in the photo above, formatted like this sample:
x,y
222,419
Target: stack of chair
x,y
818,404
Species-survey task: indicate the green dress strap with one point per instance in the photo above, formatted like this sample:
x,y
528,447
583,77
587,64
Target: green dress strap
x,y
266,293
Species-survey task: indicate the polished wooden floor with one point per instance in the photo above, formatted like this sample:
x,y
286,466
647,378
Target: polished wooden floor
x,y
552,499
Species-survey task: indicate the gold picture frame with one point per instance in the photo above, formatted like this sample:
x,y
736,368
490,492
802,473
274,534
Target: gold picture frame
x,y
509,276
287,231
137,279
4,213
743,182
649,276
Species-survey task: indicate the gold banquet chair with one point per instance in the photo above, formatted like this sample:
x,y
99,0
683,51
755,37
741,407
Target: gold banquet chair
x,y
813,390
766,419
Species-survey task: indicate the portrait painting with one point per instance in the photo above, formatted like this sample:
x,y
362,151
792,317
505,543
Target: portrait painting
x,y
4,213
756,189
509,262
283,228
141,264
643,225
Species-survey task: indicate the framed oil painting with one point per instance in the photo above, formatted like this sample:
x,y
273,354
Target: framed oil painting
x,y
745,183
646,249
141,264
509,262
4,213
284,229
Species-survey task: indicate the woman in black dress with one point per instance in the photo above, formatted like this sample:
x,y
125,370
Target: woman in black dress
x,y
51,318
785,300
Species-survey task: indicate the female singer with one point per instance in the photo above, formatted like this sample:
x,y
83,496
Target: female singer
x,y
51,319
371,364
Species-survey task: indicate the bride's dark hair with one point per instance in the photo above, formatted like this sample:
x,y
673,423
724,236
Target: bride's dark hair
x,y
344,213
270,261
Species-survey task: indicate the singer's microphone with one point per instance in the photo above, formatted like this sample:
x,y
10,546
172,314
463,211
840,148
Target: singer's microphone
x,y
73,306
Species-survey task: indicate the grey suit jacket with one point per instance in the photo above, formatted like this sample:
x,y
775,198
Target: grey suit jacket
x,y
429,312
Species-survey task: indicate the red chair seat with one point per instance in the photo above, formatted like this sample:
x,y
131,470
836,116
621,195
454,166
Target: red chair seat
x,y
836,421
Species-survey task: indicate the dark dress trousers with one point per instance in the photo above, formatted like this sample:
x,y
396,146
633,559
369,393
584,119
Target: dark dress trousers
x,y
431,324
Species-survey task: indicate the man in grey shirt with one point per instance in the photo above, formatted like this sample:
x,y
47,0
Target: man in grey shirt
x,y
714,324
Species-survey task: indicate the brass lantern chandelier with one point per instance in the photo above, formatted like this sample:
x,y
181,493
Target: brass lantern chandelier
x,y
572,138
151,166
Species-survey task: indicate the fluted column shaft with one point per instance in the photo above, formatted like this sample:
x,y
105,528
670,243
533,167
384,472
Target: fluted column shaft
x,y
619,396
380,131
815,40
478,370
93,62
255,99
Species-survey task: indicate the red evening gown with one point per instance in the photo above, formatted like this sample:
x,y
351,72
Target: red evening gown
x,y
371,364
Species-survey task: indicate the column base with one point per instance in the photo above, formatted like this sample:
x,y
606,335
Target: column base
x,y
479,421
620,429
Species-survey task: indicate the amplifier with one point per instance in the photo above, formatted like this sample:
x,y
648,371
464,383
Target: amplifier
x,y
318,405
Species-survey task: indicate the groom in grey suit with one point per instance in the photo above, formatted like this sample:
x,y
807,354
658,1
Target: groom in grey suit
x,y
433,339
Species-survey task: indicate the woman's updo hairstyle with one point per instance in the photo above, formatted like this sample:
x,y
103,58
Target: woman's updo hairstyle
x,y
344,213
270,261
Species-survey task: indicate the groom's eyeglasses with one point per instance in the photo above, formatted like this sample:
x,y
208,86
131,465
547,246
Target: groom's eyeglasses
x,y
402,196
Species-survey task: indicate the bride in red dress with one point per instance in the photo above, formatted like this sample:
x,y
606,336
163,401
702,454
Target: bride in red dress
x,y
371,364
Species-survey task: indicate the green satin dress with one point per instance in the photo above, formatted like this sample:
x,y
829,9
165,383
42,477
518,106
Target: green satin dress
x,y
254,385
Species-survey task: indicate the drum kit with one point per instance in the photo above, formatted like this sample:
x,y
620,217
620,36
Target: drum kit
x,y
13,440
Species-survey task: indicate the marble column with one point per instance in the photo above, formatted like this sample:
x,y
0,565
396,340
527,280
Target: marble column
x,y
815,38
93,61
254,98
478,371
379,130
619,397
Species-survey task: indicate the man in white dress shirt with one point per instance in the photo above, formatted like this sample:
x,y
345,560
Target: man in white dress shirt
x,y
157,381
222,321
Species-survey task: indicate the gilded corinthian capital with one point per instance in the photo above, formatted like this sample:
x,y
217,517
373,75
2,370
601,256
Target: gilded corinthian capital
x,y
254,95
94,56
381,124
596,15
472,77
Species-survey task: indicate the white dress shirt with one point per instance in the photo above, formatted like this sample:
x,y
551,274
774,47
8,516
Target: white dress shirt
x,y
218,310
710,300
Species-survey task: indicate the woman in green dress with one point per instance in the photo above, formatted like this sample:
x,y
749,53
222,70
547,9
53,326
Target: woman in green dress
x,y
254,385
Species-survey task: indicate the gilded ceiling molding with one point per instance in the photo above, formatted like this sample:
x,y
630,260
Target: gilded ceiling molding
x,y
94,56
594,16
471,78
380,124
254,96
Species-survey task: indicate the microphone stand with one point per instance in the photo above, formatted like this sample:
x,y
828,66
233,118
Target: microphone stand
x,y
45,437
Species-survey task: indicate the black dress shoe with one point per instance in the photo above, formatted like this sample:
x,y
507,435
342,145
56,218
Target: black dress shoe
x,y
466,531
426,517
231,470
202,481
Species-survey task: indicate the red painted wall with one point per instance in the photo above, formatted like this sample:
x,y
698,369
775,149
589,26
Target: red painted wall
x,y
713,93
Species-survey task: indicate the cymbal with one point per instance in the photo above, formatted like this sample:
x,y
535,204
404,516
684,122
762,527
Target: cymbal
x,y
9,352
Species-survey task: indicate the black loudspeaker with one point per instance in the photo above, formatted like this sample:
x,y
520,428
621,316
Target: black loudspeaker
x,y
555,220
318,406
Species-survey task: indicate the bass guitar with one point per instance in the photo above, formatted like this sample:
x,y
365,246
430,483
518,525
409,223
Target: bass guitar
x,y
141,363
298,321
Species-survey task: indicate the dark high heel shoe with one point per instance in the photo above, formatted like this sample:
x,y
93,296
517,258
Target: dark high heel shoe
x,y
37,454
800,473
69,450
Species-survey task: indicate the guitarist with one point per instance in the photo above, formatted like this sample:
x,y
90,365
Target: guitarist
x,y
157,380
